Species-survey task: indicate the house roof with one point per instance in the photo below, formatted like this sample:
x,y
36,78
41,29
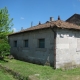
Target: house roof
x,y
58,24
75,19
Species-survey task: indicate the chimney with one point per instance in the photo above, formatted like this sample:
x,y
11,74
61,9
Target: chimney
x,y
51,19
31,24
58,17
21,28
39,22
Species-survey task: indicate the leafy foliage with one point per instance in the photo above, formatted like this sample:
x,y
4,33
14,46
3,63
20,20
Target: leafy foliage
x,y
5,29
5,22
4,47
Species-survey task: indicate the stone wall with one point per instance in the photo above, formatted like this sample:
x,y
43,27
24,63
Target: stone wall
x,y
67,48
33,53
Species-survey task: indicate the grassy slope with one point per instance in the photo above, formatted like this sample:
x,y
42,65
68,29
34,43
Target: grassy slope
x,y
46,72
5,76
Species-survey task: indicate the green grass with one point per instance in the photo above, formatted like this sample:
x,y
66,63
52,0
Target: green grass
x,y
45,72
5,76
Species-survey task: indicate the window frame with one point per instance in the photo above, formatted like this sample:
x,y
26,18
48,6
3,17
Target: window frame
x,y
41,43
26,40
15,43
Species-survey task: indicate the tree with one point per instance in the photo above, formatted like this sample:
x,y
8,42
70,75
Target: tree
x,y
5,29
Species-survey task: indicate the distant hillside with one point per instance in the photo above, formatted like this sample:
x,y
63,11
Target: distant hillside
x,y
75,19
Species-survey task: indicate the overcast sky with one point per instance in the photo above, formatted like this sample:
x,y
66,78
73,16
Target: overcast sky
x,y
26,11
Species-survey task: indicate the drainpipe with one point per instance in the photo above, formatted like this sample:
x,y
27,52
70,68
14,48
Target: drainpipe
x,y
54,49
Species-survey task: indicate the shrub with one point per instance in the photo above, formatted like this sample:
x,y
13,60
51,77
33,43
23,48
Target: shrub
x,y
4,48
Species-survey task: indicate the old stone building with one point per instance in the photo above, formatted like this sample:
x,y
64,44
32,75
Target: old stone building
x,y
55,43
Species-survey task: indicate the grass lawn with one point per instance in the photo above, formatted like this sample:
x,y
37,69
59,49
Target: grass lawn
x,y
5,76
45,72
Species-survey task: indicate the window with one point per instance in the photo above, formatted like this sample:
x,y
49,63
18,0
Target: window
x,y
41,43
25,43
15,43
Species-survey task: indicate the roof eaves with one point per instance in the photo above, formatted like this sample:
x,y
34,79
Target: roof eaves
x,y
27,31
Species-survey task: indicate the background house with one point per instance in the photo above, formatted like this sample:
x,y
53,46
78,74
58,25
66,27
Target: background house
x,y
75,19
55,43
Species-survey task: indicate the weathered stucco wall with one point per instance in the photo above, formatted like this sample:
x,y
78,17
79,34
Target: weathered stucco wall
x,y
33,53
67,48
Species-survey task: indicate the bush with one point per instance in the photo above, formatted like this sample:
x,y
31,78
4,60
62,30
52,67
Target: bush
x,y
4,48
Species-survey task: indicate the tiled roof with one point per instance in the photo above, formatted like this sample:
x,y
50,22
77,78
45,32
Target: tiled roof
x,y
58,24
75,19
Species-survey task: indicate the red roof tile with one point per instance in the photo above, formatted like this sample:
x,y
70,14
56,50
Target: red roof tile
x,y
58,24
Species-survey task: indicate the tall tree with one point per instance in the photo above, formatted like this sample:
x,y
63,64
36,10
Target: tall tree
x,y
5,29
5,21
